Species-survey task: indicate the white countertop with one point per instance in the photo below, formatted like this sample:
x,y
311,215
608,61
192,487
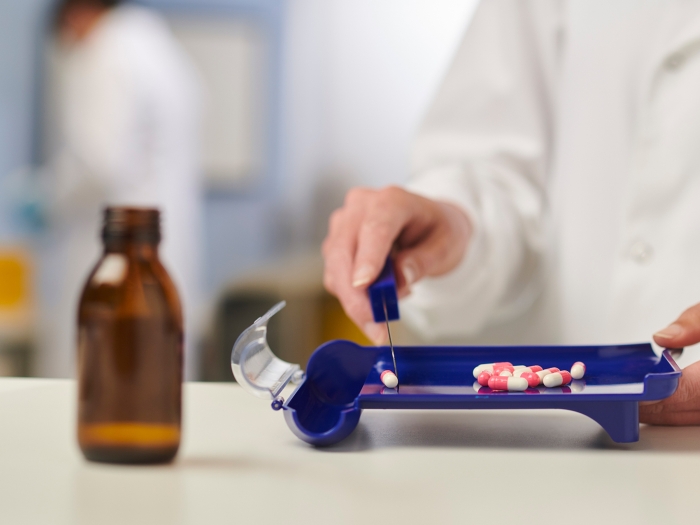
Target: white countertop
x,y
240,464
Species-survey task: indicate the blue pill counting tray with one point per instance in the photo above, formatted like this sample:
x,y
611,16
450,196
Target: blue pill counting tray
x,y
342,379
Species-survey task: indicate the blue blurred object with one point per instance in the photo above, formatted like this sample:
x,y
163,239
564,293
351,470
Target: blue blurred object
x,y
383,292
342,378
23,202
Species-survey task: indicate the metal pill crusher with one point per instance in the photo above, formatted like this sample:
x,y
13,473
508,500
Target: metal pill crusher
x,y
342,378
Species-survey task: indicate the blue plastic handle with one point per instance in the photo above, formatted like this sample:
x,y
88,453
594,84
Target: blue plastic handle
x,y
383,292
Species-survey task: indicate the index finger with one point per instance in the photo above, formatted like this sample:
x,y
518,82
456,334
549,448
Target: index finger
x,y
384,219
339,251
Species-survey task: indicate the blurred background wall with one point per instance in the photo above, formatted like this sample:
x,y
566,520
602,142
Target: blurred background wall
x,y
324,95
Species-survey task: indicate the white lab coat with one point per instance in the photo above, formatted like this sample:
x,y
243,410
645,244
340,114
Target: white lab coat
x,y
128,111
570,132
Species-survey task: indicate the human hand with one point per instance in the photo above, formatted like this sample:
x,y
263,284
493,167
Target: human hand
x,y
683,407
425,237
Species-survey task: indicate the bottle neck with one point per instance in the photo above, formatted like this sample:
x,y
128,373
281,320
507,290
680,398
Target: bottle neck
x,y
131,248
134,232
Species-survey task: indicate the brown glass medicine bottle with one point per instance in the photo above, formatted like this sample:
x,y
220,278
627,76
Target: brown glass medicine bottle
x,y
130,335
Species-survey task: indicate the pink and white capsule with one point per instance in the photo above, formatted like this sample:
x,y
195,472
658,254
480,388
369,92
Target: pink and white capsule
x,y
497,369
532,379
389,379
516,384
484,377
526,369
505,373
557,379
578,370
488,366
546,372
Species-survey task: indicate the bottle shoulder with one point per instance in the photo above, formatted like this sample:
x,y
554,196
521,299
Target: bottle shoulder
x,y
130,286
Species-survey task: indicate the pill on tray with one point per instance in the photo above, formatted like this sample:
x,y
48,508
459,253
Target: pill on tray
x,y
484,377
497,369
517,384
524,370
389,379
578,370
532,379
557,379
488,366
546,372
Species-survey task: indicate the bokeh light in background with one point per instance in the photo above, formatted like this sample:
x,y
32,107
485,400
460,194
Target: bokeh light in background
x,y
325,95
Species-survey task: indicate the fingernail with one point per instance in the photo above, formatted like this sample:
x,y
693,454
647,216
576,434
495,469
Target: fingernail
x,y
376,333
409,272
362,276
670,331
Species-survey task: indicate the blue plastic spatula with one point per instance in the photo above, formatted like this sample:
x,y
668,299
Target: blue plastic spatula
x,y
385,301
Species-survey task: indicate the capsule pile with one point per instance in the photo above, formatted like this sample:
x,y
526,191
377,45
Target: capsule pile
x,y
506,376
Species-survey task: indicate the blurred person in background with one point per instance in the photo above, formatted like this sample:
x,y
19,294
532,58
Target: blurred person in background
x,y
555,188
125,132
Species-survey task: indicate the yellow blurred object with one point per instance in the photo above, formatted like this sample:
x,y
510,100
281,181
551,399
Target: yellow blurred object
x,y
336,324
13,280
15,293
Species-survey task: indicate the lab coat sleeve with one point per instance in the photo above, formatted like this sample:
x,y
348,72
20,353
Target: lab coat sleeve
x,y
485,145
100,147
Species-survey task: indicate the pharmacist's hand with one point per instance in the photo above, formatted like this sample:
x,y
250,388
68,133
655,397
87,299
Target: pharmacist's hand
x,y
683,407
426,238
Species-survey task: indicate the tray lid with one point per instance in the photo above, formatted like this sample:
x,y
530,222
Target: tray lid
x,y
254,365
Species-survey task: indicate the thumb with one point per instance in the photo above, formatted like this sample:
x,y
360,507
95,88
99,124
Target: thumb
x,y
684,331
682,408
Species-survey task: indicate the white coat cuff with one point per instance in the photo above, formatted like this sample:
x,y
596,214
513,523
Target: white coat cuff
x,y
435,301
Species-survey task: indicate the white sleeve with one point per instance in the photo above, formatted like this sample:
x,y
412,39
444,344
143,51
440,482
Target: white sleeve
x,y
485,146
100,115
